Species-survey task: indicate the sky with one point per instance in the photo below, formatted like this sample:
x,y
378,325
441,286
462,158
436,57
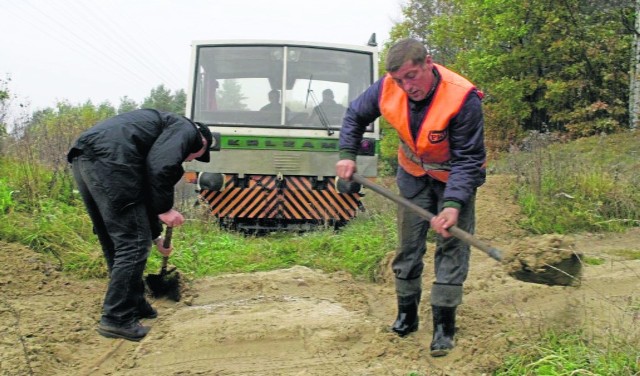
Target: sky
x,y
103,50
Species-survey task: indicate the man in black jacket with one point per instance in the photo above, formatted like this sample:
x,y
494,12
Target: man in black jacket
x,y
126,168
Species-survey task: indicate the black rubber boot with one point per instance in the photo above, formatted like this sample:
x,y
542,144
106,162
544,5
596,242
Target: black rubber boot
x,y
444,329
407,320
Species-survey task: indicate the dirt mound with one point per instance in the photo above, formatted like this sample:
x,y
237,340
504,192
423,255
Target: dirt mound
x,y
300,321
549,259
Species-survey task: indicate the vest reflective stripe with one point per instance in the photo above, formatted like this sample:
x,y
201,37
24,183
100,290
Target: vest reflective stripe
x,y
427,166
438,171
431,148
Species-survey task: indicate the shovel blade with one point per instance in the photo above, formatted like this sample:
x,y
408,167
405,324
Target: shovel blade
x,y
165,285
564,273
549,260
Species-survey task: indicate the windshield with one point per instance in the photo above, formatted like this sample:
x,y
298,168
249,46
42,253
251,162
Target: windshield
x,y
256,86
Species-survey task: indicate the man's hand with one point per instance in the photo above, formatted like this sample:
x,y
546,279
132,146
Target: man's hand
x,y
172,218
446,218
345,168
160,244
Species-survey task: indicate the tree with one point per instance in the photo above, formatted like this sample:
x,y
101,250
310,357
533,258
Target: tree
x,y
127,104
5,101
53,130
180,102
162,99
543,65
44,140
4,110
634,72
230,96
419,16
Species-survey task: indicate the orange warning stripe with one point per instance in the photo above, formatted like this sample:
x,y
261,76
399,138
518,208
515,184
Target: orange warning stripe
x,y
293,198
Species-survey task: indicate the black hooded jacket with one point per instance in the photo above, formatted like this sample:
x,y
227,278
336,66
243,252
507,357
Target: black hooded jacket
x,y
139,155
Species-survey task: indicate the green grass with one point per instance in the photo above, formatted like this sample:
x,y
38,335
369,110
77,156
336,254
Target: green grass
x,y
6,199
61,227
586,185
593,260
61,230
627,254
202,249
560,354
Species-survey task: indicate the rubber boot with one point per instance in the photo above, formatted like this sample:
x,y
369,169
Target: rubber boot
x,y
444,329
407,320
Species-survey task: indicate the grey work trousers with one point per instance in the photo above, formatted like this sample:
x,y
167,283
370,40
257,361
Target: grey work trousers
x,y
451,258
125,237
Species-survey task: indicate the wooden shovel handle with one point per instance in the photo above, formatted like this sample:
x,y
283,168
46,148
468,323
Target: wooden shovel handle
x,y
167,243
167,237
459,233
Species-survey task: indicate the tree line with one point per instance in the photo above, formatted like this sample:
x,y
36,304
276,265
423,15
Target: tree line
x,y
562,66
547,66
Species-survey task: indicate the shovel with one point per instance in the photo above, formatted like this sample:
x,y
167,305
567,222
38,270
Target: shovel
x,y
564,269
167,283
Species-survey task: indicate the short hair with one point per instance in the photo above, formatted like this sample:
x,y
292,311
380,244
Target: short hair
x,y
327,93
403,51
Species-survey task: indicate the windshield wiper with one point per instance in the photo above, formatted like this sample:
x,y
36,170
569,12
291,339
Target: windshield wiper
x,y
317,107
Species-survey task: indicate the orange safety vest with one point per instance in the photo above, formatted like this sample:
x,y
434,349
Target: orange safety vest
x,y
429,153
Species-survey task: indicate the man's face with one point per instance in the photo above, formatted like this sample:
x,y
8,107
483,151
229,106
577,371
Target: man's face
x,y
199,153
415,80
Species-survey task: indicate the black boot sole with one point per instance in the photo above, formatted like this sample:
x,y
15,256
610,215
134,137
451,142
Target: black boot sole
x,y
439,353
443,351
112,334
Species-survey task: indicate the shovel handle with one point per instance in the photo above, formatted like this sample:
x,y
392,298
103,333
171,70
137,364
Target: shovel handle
x,y
459,233
167,237
167,243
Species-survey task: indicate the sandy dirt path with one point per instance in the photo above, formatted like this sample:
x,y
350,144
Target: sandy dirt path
x,y
300,321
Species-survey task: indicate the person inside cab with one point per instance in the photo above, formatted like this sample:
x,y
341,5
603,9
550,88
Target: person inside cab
x,y
274,104
328,108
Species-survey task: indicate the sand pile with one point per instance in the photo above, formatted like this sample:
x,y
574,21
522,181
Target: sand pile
x,y
548,259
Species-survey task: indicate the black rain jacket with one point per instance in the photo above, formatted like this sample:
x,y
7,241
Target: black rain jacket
x,y
139,154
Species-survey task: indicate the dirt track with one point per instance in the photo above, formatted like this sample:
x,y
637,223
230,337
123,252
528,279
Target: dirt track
x,y
304,322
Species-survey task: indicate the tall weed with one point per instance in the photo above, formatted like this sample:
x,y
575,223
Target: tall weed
x,y
6,197
586,185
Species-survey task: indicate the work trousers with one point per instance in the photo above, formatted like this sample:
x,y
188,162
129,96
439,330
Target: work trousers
x,y
451,258
125,237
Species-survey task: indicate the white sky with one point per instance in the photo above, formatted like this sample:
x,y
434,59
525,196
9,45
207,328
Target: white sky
x,y
102,50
